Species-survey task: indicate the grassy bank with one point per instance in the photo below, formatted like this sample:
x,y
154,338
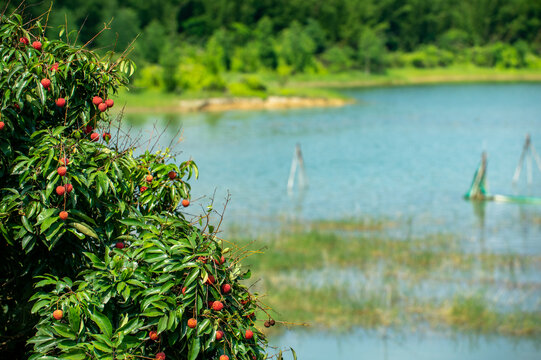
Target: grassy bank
x,y
320,86
412,76
333,277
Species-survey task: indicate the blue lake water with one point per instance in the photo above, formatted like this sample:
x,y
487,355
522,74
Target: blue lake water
x,y
401,153
374,345
406,153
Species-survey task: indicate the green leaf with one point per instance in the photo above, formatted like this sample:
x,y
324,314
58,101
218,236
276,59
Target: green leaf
x,y
40,304
193,348
74,317
103,323
77,354
47,223
129,327
204,327
162,324
102,347
64,331
133,222
85,230
26,224
45,214
192,277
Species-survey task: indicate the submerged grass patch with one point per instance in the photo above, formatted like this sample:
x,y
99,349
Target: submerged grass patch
x,y
332,277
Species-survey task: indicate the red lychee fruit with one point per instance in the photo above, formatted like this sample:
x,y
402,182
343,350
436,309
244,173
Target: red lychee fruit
x,y
185,202
109,103
119,245
69,188
60,102
217,305
63,215
102,107
160,356
272,322
249,334
57,314
17,106
2,125
60,190
54,67
226,288
36,45
95,137
64,161
172,175
149,178
202,259
46,83
143,189
192,323
224,357
96,100
24,40
219,334
153,335
88,129
267,324
106,136
62,171
221,261
211,280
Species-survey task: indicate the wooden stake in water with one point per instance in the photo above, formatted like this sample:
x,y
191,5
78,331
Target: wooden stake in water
x,y
297,162
528,154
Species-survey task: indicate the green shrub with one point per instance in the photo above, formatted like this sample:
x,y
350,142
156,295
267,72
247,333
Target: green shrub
x,y
338,58
96,248
295,48
246,59
149,77
454,40
429,57
249,86
191,75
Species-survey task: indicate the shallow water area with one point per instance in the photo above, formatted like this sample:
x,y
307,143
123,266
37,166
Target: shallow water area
x,y
389,345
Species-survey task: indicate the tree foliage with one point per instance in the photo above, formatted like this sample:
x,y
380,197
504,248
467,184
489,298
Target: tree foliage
x,y
294,36
90,229
409,23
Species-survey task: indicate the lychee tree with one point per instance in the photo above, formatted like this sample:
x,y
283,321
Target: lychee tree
x,y
97,257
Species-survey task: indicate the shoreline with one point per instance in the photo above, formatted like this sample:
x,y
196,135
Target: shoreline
x,y
168,103
217,104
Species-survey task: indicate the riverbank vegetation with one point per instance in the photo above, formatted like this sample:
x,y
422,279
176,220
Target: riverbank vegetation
x,y
199,48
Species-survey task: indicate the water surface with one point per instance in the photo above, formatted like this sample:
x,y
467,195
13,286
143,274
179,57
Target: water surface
x,y
399,152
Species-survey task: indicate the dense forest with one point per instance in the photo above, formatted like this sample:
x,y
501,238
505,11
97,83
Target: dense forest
x,y
196,40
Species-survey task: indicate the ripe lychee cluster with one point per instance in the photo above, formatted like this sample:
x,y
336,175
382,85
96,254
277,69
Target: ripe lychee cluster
x,y
102,105
62,190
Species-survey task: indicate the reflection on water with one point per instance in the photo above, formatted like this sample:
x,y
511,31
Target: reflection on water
x,y
389,345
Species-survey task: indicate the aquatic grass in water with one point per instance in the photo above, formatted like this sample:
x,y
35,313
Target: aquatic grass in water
x,y
340,278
